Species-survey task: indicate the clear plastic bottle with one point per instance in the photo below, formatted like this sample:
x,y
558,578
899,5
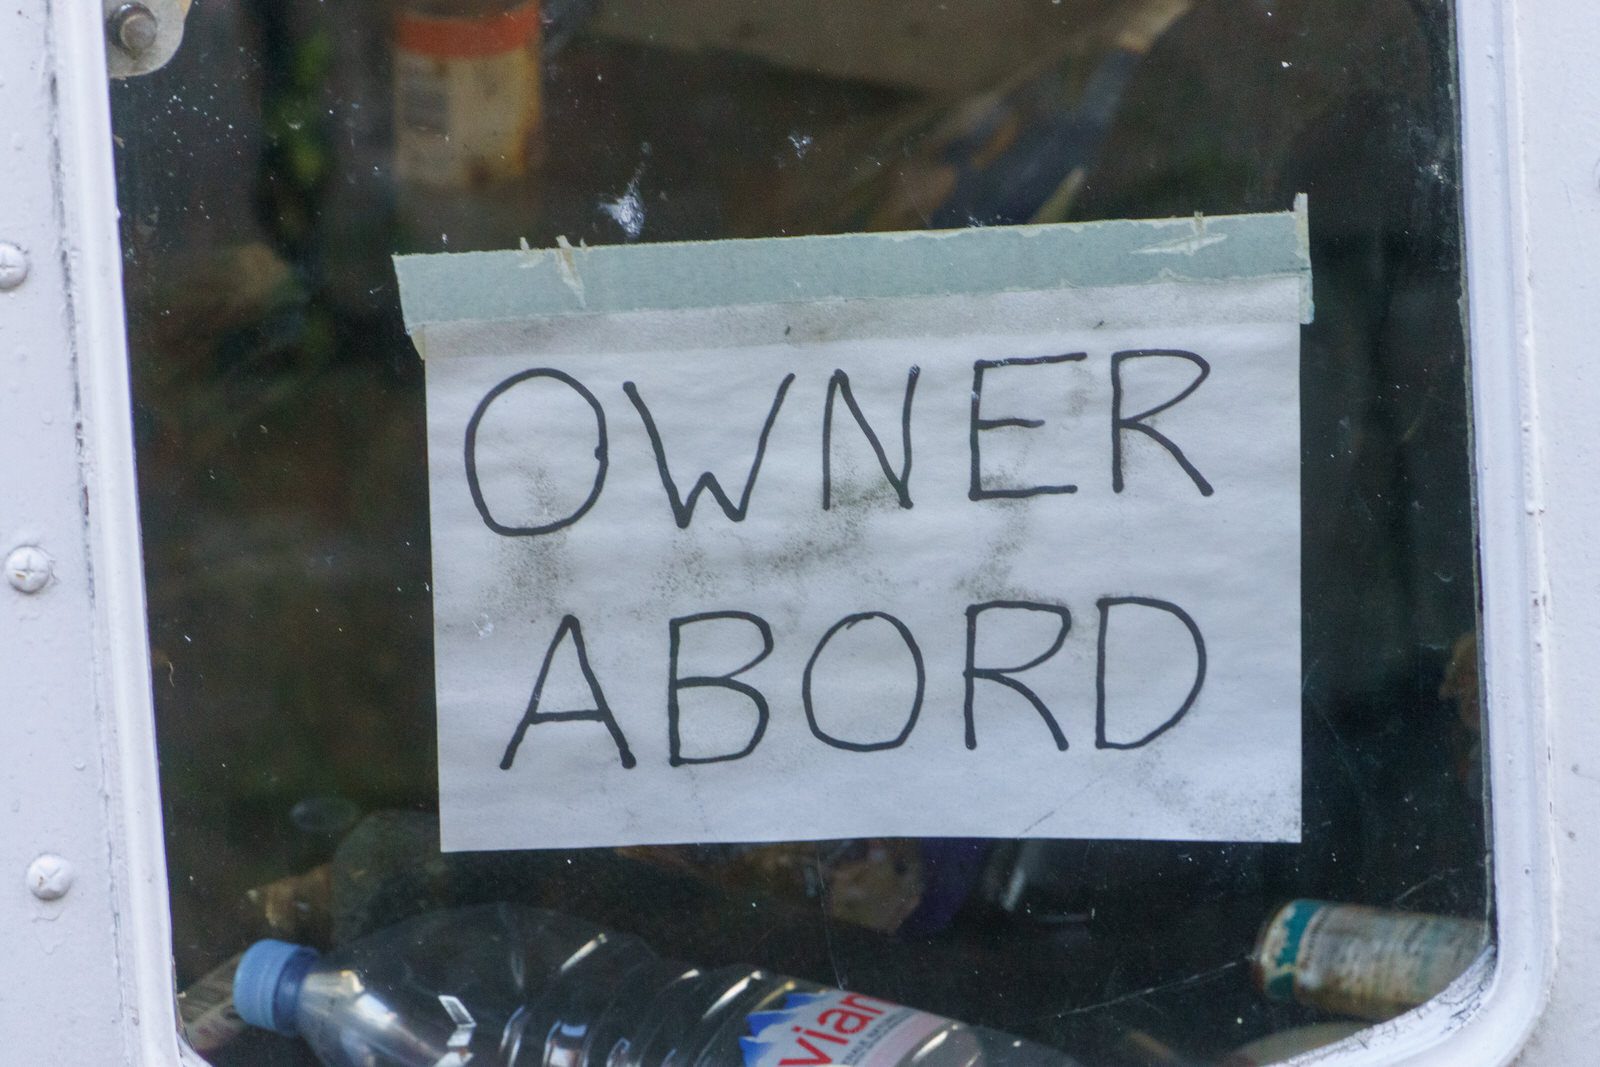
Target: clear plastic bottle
x,y
509,986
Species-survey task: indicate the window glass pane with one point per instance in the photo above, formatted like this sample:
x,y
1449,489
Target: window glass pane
x,y
269,172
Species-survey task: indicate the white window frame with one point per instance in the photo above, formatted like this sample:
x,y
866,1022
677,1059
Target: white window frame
x,y
88,974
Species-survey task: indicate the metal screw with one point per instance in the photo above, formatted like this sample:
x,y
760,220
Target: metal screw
x,y
28,569
13,265
49,877
133,28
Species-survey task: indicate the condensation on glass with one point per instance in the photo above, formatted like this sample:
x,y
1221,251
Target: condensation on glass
x,y
266,177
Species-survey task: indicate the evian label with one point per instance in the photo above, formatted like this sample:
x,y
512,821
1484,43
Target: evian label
x,y
835,1027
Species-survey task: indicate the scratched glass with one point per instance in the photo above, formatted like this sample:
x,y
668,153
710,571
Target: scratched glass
x,y
267,175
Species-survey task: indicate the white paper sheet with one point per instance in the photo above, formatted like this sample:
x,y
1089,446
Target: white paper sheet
x,y
953,643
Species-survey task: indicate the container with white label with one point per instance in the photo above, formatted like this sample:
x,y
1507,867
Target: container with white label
x,y
466,92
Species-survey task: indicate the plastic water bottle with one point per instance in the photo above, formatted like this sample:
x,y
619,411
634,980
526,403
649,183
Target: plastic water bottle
x,y
509,986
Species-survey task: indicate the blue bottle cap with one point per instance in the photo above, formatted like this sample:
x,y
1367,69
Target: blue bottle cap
x,y
266,986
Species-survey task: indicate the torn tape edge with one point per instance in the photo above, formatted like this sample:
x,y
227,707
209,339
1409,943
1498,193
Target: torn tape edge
x,y
573,280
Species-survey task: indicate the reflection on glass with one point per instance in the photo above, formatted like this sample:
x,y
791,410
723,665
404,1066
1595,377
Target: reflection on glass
x,y
269,172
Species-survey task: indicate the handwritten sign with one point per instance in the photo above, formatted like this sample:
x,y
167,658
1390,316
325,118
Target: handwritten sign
x,y
986,533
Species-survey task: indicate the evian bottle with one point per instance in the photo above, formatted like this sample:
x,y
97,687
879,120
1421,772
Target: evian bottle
x,y
810,1026
510,986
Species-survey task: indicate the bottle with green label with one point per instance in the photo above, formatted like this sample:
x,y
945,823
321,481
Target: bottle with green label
x,y
1366,962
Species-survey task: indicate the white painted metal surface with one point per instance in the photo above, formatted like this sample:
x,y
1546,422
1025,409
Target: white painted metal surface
x,y
85,966
87,972
1555,225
